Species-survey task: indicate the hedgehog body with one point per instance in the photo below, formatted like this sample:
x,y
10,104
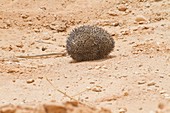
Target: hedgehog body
x,y
89,43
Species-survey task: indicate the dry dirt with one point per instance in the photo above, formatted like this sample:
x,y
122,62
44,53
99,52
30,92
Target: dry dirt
x,y
134,79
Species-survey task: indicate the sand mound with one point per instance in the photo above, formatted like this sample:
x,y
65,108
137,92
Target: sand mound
x,y
68,107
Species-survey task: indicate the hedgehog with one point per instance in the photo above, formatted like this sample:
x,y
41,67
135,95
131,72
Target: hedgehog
x,y
87,43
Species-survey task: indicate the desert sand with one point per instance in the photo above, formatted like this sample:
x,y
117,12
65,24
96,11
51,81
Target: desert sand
x,y
133,79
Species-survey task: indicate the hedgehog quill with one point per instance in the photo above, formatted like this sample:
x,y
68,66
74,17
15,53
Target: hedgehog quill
x,y
89,43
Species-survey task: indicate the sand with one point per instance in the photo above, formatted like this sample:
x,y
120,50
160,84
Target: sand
x,y
133,79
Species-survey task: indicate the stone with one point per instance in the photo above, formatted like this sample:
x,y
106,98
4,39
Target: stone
x,y
30,81
140,18
52,108
122,8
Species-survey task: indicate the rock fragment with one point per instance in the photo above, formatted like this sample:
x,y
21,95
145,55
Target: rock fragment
x,y
29,81
122,110
151,83
97,89
122,8
8,109
161,106
140,19
52,108
141,82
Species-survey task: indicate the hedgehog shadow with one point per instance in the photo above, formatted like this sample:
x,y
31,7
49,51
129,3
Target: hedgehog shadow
x,y
97,60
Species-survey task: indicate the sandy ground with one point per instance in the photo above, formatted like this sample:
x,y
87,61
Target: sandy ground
x,y
134,79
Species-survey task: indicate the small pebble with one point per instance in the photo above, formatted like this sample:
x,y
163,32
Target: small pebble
x,y
90,68
140,65
111,13
147,5
97,67
161,76
2,59
92,82
126,32
86,97
104,67
122,110
122,8
13,71
41,65
116,24
36,30
20,45
43,48
30,81
15,60
141,82
166,95
67,86
88,88
161,106
162,91
15,99
140,18
144,27
30,23
40,77
150,89
97,89
140,108
46,38
151,83
126,94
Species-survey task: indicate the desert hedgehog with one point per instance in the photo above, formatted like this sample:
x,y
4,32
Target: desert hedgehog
x,y
89,43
